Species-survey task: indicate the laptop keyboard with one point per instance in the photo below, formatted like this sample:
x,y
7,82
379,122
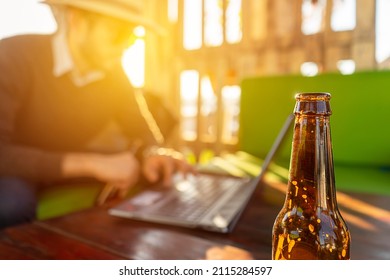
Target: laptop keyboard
x,y
193,197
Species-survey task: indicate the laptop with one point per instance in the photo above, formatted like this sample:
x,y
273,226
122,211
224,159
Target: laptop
x,y
211,202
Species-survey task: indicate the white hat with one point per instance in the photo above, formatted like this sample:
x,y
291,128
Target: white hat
x,y
128,10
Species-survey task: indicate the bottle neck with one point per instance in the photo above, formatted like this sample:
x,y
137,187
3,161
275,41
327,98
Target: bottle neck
x,y
311,166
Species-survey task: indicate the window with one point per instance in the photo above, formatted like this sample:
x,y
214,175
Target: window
x,y
313,12
382,52
208,111
173,9
206,120
343,15
189,88
231,110
233,21
207,115
220,17
192,25
213,22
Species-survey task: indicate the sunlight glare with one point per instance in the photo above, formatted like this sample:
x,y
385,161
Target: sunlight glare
x,y
213,23
233,21
25,16
192,25
133,63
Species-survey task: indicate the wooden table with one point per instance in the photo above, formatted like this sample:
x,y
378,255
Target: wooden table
x,y
94,234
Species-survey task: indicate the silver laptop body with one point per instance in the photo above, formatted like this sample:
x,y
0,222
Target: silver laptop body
x,y
208,201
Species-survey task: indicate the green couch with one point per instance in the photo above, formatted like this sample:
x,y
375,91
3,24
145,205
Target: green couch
x,y
360,125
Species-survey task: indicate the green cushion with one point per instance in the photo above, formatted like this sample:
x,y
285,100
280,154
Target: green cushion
x,y
360,105
359,124
362,179
64,199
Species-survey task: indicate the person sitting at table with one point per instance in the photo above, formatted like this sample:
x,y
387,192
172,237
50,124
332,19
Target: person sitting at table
x,y
59,92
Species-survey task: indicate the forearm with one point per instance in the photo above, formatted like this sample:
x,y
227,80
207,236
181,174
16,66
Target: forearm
x,y
120,169
79,165
41,165
29,163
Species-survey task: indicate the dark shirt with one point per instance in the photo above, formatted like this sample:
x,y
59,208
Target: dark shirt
x,y
42,117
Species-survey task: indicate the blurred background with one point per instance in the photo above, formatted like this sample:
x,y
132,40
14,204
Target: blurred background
x,y
211,45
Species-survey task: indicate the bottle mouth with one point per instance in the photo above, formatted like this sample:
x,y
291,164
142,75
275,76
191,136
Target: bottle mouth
x,y
313,96
313,103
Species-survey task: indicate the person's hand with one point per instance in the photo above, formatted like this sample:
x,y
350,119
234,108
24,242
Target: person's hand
x,y
163,167
120,171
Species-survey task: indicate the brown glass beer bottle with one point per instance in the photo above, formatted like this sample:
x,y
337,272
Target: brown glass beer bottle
x,y
310,226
